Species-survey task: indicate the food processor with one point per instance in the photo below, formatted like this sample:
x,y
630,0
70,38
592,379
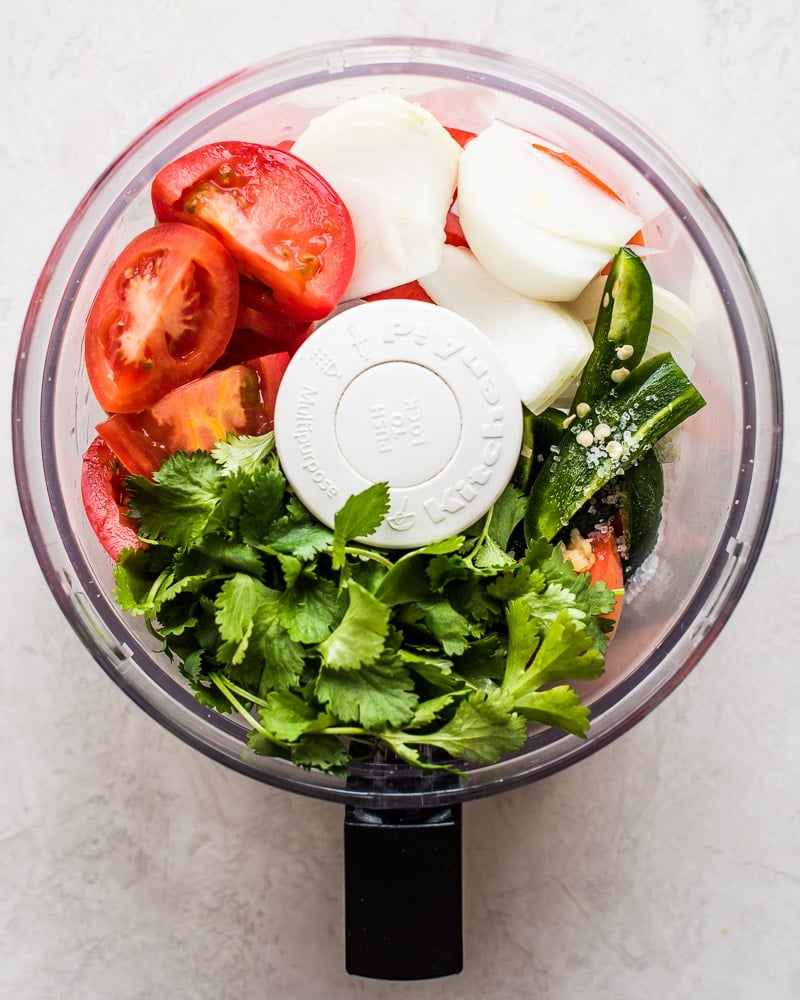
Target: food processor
x,y
402,825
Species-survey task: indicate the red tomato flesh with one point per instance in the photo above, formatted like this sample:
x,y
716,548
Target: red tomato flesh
x,y
607,566
283,223
163,315
195,416
258,314
410,290
102,492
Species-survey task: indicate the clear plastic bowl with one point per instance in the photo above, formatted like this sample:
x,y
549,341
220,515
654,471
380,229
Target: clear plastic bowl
x,y
720,491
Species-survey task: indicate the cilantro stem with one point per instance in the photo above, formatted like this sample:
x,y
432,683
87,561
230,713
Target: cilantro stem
x,y
354,550
481,538
245,693
348,731
224,685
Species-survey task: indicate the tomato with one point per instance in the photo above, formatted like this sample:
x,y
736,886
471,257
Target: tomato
x,y
258,314
453,233
462,136
607,565
283,223
410,290
195,416
102,492
163,315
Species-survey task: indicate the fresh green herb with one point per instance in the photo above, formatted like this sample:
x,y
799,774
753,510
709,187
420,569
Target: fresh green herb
x,y
326,646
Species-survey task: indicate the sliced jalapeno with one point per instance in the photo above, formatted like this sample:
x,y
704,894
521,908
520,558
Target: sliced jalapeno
x,y
540,432
642,495
621,329
620,427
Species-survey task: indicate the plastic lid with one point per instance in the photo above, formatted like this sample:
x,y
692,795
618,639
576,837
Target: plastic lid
x,y
406,393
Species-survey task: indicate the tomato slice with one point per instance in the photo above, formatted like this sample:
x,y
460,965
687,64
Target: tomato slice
x,y
283,223
410,290
462,136
163,315
195,416
258,314
103,492
453,233
607,565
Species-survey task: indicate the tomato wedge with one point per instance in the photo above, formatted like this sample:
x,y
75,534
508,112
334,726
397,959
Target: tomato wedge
x,y
235,400
163,315
607,565
283,223
462,136
102,492
258,314
410,290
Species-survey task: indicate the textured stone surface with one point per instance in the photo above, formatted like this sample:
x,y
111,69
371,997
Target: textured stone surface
x,y
133,868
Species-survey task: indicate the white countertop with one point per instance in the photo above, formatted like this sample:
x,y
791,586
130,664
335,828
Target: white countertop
x,y
668,864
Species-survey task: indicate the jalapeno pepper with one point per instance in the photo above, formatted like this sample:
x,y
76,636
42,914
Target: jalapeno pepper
x,y
540,431
620,427
621,330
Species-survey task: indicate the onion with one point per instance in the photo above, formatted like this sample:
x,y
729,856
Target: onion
x,y
395,167
543,344
534,222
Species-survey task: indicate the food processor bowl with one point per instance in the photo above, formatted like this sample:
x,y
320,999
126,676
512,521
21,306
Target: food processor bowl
x,y
720,485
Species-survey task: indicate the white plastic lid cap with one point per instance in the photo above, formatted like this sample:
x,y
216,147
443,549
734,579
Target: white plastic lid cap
x,y
406,393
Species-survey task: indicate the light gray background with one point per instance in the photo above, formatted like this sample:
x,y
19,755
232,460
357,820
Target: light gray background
x,y
667,865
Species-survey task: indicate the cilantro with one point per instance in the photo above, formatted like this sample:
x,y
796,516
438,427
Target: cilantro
x,y
361,514
177,505
243,454
328,648
359,637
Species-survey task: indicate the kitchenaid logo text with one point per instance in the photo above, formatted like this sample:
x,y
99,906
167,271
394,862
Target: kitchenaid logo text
x,y
456,497
304,436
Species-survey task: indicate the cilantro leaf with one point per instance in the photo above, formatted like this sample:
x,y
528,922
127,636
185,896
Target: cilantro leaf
x,y
287,716
557,706
506,515
237,604
361,515
262,503
325,753
523,639
482,729
245,453
360,636
298,534
177,505
564,650
428,711
281,658
434,670
311,608
447,626
232,555
380,694
405,582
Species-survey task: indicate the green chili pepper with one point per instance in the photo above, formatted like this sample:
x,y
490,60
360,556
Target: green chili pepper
x,y
621,329
540,431
621,427
642,494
